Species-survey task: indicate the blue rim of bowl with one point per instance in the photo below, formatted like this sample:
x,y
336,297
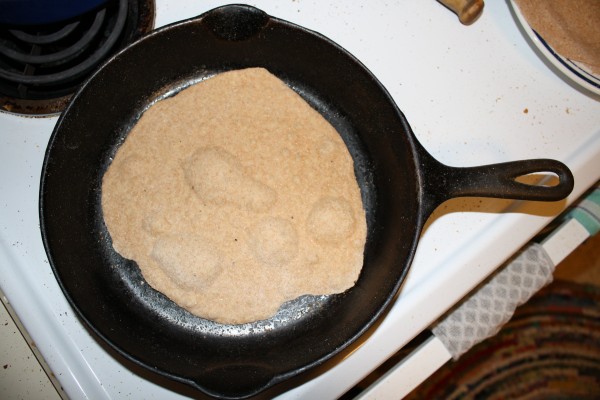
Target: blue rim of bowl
x,y
571,65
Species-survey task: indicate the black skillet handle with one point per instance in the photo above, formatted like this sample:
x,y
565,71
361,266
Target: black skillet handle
x,y
442,182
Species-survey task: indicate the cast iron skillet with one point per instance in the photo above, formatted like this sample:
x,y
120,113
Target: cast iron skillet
x,y
401,184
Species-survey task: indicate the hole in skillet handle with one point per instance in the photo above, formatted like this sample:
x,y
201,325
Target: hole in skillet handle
x,y
504,180
235,22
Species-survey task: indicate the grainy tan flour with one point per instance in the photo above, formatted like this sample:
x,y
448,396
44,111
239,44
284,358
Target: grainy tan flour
x,y
235,196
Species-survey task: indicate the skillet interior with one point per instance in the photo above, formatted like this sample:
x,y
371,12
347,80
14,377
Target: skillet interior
x,y
109,292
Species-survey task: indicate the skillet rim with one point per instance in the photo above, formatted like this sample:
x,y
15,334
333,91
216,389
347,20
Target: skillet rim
x,y
414,151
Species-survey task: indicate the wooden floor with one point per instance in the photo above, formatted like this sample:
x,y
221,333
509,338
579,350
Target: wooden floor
x,y
583,265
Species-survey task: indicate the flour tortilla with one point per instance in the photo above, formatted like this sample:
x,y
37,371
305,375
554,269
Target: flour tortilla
x,y
571,27
235,196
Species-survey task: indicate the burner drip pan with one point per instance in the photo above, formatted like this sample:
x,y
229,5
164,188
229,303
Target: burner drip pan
x,y
42,66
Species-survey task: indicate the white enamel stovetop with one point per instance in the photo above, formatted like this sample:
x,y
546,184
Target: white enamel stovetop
x,y
473,95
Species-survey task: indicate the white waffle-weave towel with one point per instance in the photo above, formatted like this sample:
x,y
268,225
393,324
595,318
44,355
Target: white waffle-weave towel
x,y
483,313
